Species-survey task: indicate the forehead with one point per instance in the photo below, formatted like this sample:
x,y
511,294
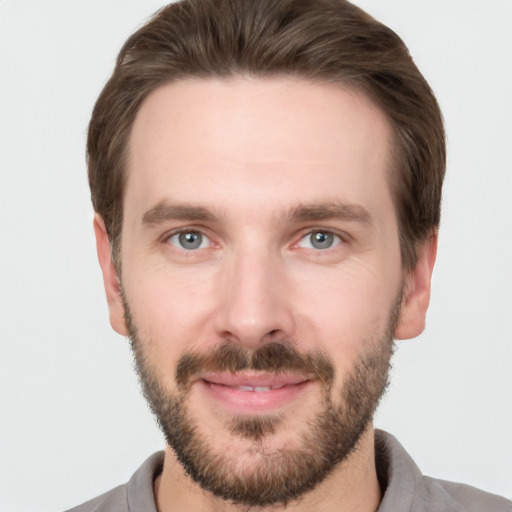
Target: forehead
x,y
269,142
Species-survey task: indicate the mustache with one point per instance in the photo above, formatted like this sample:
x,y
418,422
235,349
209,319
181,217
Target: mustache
x,y
276,357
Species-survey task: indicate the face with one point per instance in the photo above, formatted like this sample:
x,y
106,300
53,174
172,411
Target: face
x,y
261,277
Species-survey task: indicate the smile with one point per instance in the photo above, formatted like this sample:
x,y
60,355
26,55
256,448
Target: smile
x,y
253,393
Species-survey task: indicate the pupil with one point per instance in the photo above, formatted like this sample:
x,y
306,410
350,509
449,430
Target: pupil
x,y
322,240
190,240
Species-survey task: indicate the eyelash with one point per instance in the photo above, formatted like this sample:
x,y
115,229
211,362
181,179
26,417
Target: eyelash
x,y
331,236
185,232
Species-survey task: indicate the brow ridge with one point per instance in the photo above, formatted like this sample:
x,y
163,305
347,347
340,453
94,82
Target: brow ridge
x,y
165,211
330,210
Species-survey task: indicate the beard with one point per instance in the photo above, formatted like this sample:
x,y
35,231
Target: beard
x,y
274,476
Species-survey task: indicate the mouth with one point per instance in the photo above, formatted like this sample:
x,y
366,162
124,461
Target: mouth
x,y
251,393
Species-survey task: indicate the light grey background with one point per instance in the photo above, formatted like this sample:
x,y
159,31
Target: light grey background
x,y
72,423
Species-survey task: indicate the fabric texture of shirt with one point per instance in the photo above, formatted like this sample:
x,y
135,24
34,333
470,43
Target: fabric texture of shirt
x,y
405,488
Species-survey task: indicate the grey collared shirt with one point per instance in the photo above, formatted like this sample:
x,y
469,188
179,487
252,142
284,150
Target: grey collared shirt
x,y
405,488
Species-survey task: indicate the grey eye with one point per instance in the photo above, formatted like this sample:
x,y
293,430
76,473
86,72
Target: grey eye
x,y
320,240
189,240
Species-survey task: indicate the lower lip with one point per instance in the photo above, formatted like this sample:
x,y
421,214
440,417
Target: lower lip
x,y
247,402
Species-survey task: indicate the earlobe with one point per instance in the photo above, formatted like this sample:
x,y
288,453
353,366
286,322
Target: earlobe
x,y
110,278
417,292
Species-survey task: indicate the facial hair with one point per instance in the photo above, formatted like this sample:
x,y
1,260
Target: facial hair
x,y
284,475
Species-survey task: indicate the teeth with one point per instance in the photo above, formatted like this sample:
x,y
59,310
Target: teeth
x,y
258,389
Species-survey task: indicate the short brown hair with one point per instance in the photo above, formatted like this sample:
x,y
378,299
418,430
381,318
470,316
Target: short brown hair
x,y
327,40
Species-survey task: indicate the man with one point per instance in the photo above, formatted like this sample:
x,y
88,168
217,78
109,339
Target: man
x,y
266,177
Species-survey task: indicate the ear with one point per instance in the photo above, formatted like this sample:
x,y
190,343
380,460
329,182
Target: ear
x,y
417,292
110,279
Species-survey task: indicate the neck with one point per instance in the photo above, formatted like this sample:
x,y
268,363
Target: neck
x,y
353,486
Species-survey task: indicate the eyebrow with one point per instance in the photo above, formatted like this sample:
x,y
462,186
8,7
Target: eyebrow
x,y
164,212
327,211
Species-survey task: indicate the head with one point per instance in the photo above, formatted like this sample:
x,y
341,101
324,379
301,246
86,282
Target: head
x,y
267,179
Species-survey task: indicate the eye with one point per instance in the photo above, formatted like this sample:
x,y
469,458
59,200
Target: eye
x,y
189,240
319,240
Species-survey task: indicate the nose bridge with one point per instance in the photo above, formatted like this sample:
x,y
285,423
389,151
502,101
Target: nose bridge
x,y
254,306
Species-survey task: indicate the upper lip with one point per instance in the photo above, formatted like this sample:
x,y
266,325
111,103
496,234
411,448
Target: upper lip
x,y
253,379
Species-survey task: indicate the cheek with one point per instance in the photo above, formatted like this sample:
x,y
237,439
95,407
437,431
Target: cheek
x,y
347,312
170,312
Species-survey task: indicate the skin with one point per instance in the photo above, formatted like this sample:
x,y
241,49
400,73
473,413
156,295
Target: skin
x,y
250,151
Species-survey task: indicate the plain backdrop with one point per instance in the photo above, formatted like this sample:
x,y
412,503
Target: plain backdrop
x,y
72,423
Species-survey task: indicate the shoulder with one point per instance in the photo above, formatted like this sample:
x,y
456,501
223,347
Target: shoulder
x,y
463,497
408,490
112,501
137,494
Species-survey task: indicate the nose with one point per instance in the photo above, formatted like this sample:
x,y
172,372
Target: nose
x,y
255,301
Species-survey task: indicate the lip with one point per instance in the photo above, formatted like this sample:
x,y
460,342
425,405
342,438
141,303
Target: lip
x,y
253,392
